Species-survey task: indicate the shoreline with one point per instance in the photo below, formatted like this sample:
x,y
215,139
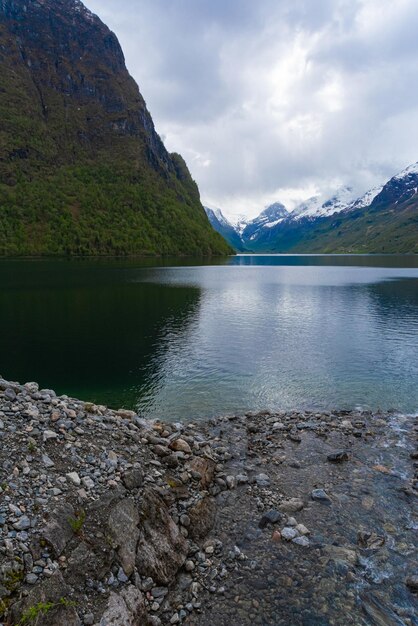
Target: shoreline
x,y
111,519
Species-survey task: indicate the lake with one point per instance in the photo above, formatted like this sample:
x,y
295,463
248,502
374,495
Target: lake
x,y
182,338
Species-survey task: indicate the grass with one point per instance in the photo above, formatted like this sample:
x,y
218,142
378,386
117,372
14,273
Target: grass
x,y
77,522
33,614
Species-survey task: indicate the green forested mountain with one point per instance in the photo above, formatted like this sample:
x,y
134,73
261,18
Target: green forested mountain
x,y
82,169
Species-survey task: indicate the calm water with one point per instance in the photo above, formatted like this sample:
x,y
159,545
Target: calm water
x,y
191,340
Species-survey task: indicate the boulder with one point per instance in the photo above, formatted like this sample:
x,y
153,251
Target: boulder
x,y
162,549
58,531
123,526
202,517
133,478
204,467
126,608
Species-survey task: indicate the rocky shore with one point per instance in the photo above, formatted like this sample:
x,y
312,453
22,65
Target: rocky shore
x,y
286,518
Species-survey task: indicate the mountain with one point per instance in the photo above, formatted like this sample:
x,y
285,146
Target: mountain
x,y
225,228
383,220
82,169
260,228
314,207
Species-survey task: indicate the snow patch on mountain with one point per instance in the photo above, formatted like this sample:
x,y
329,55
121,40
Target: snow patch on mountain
x,y
315,207
366,199
411,169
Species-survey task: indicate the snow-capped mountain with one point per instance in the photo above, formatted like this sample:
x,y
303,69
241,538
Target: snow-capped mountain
x,y
384,219
224,227
316,207
269,218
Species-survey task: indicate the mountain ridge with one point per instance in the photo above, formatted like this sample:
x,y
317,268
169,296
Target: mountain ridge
x,y
384,219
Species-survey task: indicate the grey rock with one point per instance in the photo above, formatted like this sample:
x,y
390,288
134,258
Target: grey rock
x,y
47,461
338,457
162,549
58,531
125,609
31,579
292,505
262,480
202,517
51,590
320,495
289,533
301,541
123,526
134,478
22,524
271,517
49,434
412,583
10,394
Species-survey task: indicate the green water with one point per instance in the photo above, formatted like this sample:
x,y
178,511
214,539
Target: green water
x,y
186,339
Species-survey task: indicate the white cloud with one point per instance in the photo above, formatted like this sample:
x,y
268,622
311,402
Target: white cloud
x,y
269,100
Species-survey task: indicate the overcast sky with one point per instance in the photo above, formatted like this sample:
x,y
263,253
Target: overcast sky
x,y
276,99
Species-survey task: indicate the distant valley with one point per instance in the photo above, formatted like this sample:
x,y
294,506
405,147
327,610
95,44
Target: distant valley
x,y
383,220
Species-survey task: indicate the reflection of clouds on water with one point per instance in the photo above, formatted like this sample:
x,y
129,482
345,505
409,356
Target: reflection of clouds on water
x,y
286,337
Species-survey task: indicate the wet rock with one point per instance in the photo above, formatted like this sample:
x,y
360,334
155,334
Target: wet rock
x,y
292,505
338,457
320,495
412,583
126,608
204,467
262,480
302,530
341,554
202,517
123,526
301,541
58,531
371,541
161,549
271,517
378,611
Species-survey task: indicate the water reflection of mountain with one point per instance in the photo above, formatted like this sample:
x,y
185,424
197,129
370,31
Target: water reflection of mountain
x,y
84,331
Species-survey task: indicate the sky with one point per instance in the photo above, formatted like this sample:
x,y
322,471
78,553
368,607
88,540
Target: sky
x,y
276,100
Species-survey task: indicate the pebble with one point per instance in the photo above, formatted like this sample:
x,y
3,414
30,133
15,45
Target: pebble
x,y
22,524
301,541
289,533
320,495
262,480
74,477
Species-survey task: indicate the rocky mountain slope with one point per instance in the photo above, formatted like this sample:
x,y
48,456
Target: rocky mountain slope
x,y
225,228
82,169
383,220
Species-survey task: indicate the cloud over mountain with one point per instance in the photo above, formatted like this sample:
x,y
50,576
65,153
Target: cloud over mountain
x,y
276,100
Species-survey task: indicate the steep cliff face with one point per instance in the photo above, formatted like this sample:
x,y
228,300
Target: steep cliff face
x,y
76,139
